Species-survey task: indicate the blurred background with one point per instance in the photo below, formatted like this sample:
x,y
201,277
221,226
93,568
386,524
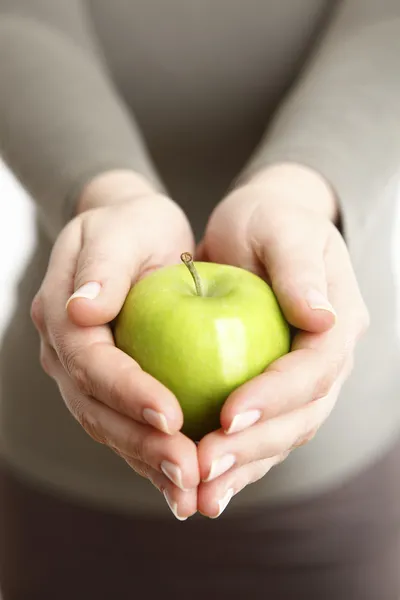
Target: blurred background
x,y
16,238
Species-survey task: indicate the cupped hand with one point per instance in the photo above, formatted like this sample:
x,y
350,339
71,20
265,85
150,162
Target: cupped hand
x,y
94,262
280,226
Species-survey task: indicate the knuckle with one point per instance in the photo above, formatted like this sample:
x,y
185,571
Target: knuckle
x,y
135,446
119,390
330,370
282,457
118,452
308,425
307,437
145,447
37,313
257,474
77,372
141,469
46,360
90,424
324,383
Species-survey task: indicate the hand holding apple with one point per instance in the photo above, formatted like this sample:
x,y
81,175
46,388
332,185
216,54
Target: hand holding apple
x,y
124,230
280,225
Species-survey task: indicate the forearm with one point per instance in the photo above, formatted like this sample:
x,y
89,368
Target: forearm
x,y
296,183
113,187
341,118
61,120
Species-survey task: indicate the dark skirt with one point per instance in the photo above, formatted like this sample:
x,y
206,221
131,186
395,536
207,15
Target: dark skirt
x,y
342,545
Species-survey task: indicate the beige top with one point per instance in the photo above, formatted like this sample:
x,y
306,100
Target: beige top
x,y
201,80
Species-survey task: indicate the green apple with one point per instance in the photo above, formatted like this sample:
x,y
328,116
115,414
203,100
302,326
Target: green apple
x,y
202,329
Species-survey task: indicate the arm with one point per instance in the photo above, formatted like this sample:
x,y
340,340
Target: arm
x,y
61,120
342,117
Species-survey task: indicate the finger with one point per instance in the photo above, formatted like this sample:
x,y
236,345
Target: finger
x,y
214,497
302,376
174,456
316,360
90,357
218,452
104,273
285,246
293,256
182,504
102,371
117,250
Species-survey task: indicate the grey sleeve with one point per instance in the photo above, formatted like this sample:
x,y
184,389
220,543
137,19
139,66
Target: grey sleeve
x,y
342,117
61,119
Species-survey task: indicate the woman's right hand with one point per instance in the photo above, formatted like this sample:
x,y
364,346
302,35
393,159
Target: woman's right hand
x,y
94,262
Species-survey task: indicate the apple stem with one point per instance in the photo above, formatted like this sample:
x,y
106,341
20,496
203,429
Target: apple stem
x,y
187,259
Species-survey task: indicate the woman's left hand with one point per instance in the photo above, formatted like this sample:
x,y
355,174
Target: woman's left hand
x,y
280,225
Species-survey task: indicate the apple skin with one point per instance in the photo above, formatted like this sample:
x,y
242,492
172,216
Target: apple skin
x,y
202,347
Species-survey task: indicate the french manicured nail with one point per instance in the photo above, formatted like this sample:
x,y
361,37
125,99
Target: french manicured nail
x,y
173,473
219,466
223,503
89,290
318,301
244,420
173,506
156,419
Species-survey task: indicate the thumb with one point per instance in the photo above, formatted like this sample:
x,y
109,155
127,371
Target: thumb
x,y
287,251
120,245
104,274
296,267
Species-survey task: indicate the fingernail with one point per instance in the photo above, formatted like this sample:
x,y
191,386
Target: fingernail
x,y
223,503
318,301
244,420
89,290
220,466
173,473
156,419
173,506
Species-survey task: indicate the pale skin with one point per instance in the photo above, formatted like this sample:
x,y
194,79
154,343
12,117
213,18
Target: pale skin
x,y
281,225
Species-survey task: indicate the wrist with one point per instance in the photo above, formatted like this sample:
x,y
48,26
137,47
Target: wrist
x,y
113,187
305,186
